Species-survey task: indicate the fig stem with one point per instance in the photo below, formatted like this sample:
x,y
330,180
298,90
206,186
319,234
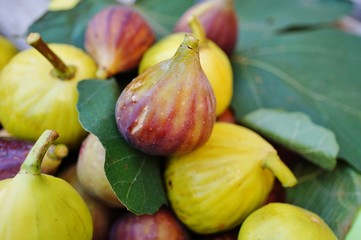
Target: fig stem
x,y
197,29
61,70
32,162
280,170
191,42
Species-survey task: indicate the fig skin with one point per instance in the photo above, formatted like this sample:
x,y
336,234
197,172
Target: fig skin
x,y
161,225
283,221
42,100
116,38
101,215
8,51
215,187
219,19
170,108
42,206
91,174
215,63
14,151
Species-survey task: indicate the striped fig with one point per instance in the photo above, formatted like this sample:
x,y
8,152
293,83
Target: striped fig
x,y
170,108
219,19
116,38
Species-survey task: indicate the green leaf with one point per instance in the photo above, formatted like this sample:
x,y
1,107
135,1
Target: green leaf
x,y
355,230
135,177
68,26
335,196
314,72
260,19
295,131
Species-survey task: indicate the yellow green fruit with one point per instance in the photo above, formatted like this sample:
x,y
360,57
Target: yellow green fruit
x,y
282,221
214,62
33,98
38,206
215,187
8,50
60,5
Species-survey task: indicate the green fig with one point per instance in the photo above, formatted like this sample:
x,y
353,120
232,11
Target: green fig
x,y
283,221
8,51
38,91
215,187
38,206
170,108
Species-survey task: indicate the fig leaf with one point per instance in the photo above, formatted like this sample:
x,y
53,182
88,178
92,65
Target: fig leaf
x,y
309,72
296,132
335,196
134,176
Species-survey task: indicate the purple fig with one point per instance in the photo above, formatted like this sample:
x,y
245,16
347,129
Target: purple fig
x,y
219,20
161,225
170,108
13,152
116,37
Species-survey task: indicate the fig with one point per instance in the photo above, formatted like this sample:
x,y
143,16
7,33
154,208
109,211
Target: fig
x,y
14,151
101,214
91,174
284,221
215,187
41,206
214,62
8,51
170,108
116,37
61,5
219,19
46,94
161,225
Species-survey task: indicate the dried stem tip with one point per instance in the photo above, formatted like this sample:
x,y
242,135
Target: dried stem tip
x,y
61,70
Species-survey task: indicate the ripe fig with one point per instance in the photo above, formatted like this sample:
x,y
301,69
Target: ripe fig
x,y
116,37
41,206
219,20
90,171
161,225
14,151
8,51
101,214
45,90
283,221
214,62
170,108
215,187
61,5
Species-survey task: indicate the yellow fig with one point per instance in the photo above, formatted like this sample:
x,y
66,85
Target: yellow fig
x,y
38,206
283,221
39,93
8,50
61,5
214,62
215,187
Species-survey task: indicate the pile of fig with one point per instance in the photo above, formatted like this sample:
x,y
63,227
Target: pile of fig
x,y
219,177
